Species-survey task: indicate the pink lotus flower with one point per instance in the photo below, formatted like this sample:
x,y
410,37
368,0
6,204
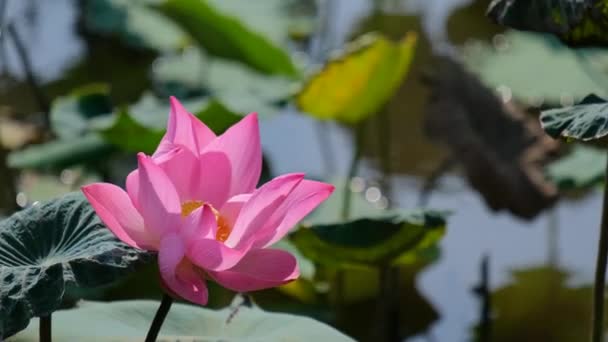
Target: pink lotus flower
x,y
195,202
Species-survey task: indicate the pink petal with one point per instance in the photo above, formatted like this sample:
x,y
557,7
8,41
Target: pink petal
x,y
182,168
115,209
177,273
300,202
231,209
201,223
259,269
241,143
184,129
260,207
210,254
157,197
214,178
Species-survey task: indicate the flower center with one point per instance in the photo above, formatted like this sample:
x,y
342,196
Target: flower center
x,y
223,227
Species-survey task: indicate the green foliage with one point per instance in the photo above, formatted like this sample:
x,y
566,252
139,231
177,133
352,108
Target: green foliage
x,y
130,320
371,242
575,22
49,248
225,36
582,168
357,83
586,121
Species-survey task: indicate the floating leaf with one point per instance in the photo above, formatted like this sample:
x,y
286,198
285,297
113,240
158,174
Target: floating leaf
x,y
586,121
575,22
61,153
134,22
70,114
49,248
370,242
501,148
225,36
130,320
357,83
536,69
582,168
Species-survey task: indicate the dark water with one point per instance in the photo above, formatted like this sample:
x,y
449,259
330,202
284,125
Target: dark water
x,y
565,237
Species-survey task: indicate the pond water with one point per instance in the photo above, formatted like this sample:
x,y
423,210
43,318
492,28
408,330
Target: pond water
x,y
566,236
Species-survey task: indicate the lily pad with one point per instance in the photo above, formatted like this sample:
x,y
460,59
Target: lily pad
x,y
51,248
575,22
130,320
223,35
357,83
586,121
580,169
370,242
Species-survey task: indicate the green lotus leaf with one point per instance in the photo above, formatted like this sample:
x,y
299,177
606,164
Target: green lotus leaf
x,y
582,168
224,35
586,121
575,22
130,320
371,241
52,248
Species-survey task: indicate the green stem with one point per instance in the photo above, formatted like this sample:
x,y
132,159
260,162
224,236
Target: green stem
x,y
388,304
159,318
384,152
600,272
44,331
352,171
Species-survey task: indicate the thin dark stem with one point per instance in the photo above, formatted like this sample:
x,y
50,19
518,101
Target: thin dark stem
x,y
600,273
388,305
41,98
483,290
159,318
45,329
352,171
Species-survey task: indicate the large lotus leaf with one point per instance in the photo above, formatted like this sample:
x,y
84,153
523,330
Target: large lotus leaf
x,y
358,82
70,114
502,148
238,87
536,69
49,248
130,320
540,305
61,153
586,121
223,35
134,22
582,168
575,22
137,129
370,242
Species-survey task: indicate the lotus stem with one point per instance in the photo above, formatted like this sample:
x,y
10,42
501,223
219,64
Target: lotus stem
x,y
352,171
600,273
44,329
159,318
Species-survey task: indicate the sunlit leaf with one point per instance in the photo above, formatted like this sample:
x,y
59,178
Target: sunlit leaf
x,y
49,248
582,168
576,22
358,82
130,320
223,35
370,242
586,121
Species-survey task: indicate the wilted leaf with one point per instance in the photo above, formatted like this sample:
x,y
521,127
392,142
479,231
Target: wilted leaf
x,y
575,22
370,242
61,153
70,114
501,149
586,121
50,247
225,36
130,320
581,168
357,83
